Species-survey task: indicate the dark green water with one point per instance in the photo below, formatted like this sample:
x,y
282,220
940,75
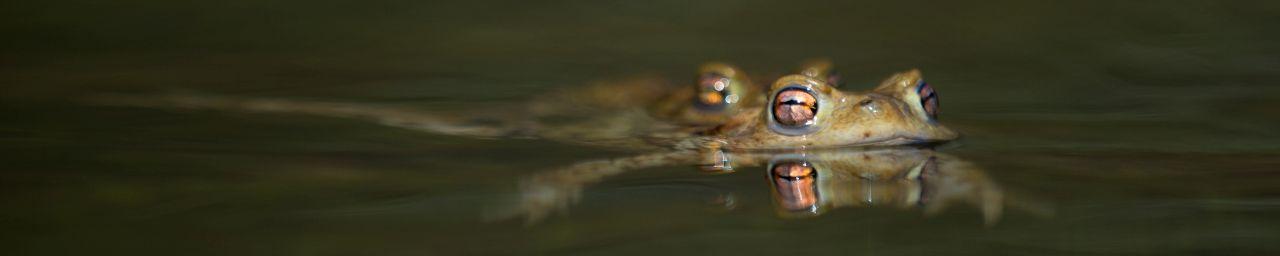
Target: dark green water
x,y
1136,127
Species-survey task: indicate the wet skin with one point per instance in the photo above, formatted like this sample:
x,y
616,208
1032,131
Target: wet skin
x,y
798,112
807,112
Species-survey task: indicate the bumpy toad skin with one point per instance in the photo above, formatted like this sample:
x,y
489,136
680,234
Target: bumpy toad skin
x,y
645,113
894,113
891,114
719,92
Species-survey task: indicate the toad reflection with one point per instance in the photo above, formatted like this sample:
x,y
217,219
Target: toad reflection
x,y
811,184
804,183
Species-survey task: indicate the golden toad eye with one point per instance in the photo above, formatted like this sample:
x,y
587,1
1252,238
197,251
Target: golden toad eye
x,y
714,92
928,99
795,108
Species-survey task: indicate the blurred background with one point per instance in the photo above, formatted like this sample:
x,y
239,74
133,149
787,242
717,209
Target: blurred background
x,y
1150,127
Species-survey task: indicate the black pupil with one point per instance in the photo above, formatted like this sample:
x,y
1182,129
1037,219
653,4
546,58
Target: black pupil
x,y
928,98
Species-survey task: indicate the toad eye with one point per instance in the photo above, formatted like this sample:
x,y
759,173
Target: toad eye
x,y
794,108
714,92
928,99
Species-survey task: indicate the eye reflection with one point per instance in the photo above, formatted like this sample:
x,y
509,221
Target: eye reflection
x,y
795,107
928,172
796,185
